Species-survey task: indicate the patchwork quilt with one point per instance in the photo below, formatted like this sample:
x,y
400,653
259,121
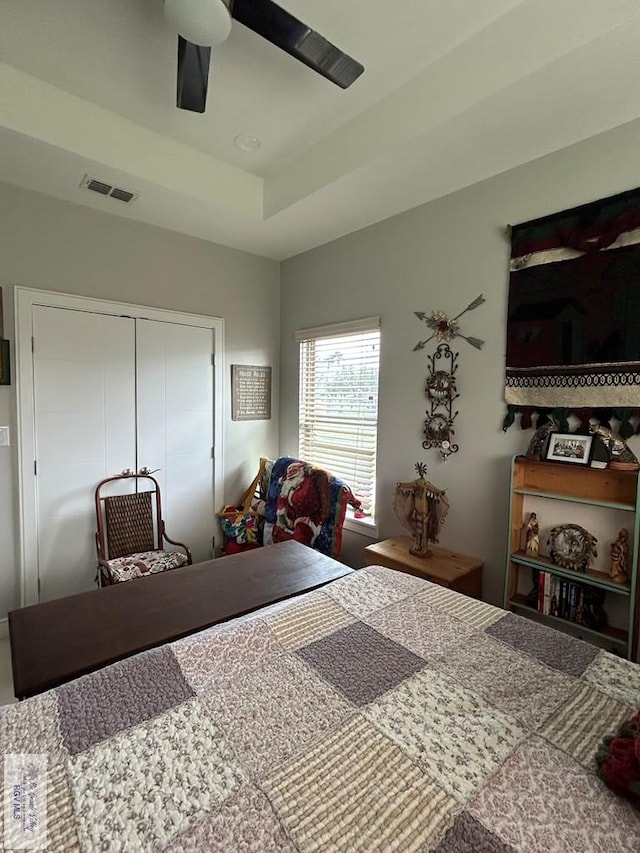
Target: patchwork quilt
x,y
379,713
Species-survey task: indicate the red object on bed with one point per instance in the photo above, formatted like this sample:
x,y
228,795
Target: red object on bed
x,y
618,760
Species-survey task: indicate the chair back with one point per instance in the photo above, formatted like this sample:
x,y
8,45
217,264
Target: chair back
x,y
129,523
126,523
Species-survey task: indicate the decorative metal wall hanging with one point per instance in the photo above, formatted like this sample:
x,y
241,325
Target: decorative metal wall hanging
x,y
447,328
440,387
441,391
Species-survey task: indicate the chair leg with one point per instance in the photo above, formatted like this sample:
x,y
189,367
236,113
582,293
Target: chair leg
x,y
102,580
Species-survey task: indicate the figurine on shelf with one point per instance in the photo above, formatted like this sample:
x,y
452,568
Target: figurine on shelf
x,y
620,558
422,508
538,443
620,454
532,546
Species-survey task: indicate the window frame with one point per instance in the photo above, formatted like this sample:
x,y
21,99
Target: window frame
x,y
364,526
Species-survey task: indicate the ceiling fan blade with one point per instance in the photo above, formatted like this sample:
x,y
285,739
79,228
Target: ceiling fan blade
x,y
193,76
273,23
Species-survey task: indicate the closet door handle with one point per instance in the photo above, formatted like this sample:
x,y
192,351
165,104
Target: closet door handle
x,y
146,471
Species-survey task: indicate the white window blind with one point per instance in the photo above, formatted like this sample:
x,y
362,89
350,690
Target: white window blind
x,y
339,367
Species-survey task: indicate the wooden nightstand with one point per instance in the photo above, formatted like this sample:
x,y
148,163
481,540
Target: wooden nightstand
x,y
463,574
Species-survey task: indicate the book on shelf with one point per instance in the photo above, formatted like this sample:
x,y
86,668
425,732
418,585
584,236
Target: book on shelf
x,y
541,580
573,601
580,610
562,613
555,588
546,600
560,597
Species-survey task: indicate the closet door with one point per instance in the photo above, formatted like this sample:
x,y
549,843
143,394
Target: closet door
x,y
175,396
84,401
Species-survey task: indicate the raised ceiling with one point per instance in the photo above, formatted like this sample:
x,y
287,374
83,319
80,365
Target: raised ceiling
x,y
453,92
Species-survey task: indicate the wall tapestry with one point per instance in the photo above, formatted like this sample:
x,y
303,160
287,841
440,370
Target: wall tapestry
x,y
574,308
616,418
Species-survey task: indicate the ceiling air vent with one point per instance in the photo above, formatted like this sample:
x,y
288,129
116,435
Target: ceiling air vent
x,y
96,186
122,195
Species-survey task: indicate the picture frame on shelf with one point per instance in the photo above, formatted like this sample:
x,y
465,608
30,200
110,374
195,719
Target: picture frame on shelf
x,y
571,447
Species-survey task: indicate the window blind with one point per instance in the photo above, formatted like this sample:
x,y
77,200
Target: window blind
x,y
339,367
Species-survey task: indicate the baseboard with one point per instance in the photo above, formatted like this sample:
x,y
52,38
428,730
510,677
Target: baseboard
x,y
4,628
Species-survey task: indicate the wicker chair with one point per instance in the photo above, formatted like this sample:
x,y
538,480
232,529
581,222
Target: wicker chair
x,y
131,535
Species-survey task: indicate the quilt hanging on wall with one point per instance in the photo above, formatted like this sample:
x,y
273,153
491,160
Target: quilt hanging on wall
x,y
573,336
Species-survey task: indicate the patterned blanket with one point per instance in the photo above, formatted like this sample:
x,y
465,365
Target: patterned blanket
x,y
380,713
305,503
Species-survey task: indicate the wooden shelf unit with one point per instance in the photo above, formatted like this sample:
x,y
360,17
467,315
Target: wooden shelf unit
x,y
607,489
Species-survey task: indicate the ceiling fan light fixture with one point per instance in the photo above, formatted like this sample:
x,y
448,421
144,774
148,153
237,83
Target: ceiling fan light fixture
x,y
202,22
203,25
246,142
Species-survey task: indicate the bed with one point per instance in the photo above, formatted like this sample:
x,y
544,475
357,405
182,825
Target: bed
x,y
380,713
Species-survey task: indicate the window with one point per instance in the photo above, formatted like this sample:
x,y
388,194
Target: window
x,y
339,367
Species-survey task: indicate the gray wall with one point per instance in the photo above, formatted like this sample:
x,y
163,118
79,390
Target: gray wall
x,y
53,245
441,256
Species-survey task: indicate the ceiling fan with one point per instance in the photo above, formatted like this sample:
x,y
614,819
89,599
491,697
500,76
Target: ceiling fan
x,y
203,24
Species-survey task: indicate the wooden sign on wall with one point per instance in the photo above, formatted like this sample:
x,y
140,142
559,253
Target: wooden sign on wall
x,y
250,392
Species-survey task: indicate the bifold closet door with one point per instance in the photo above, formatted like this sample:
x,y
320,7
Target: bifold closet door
x,y
175,396
84,396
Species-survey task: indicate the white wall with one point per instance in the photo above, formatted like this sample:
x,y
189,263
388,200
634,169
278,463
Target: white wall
x,y
441,256
54,245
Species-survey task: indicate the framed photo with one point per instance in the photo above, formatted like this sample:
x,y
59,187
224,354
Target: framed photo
x,y
569,447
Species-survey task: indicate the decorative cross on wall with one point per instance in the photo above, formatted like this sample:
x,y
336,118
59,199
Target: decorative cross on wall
x,y
440,388
446,328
